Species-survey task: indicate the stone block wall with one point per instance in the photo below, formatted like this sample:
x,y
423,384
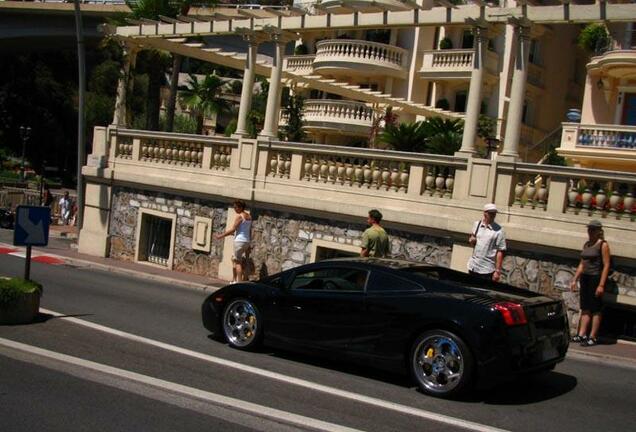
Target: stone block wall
x,y
123,227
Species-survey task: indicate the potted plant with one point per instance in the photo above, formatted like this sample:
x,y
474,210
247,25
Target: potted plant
x,y
301,50
446,43
19,300
594,38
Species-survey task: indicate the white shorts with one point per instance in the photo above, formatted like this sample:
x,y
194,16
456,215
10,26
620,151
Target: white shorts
x,y
240,251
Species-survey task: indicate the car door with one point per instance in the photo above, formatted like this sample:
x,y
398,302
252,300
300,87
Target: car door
x,y
323,307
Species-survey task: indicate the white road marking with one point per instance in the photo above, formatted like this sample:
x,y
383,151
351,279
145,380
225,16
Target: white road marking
x,y
404,409
217,399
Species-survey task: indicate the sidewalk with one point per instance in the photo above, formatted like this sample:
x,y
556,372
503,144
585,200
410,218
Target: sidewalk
x,y
622,353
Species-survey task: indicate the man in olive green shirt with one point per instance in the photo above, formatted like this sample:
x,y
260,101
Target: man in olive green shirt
x,y
375,241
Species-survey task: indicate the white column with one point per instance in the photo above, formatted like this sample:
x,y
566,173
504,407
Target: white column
x,y
473,107
248,86
120,116
517,92
270,126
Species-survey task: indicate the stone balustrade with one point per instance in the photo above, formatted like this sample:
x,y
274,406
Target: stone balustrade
x,y
453,63
300,64
342,112
447,191
619,137
374,57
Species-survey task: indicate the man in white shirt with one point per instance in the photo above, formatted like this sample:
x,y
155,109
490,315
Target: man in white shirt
x,y
65,208
489,242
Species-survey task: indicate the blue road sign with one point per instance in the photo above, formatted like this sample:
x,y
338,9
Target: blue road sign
x,y
31,226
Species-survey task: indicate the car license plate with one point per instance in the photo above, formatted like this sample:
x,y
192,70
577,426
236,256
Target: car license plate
x,y
549,352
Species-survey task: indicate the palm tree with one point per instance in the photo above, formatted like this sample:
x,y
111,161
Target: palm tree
x,y
204,98
409,137
443,136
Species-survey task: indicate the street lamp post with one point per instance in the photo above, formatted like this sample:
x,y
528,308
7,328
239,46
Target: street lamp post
x,y
25,133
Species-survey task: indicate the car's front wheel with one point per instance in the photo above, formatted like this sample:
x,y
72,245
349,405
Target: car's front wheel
x,y
242,324
441,363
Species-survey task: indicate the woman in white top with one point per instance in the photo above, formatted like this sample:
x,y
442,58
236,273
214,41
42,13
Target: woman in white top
x,y
242,230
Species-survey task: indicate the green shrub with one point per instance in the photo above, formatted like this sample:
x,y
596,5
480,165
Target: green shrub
x,y
593,37
442,104
13,288
446,43
301,50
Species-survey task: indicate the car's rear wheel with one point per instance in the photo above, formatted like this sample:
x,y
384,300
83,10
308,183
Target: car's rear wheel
x,y
242,324
441,363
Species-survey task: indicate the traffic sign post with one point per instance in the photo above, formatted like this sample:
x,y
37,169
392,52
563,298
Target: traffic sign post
x,y
31,229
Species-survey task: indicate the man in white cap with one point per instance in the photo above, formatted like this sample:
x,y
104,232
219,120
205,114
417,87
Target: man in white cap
x,y
489,244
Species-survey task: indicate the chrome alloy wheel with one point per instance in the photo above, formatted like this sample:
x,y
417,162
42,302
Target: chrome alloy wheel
x,y
240,323
438,364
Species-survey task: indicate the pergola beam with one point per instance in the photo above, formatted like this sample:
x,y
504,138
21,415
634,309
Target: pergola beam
x,y
437,16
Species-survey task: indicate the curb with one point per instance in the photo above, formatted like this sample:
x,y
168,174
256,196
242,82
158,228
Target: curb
x,y
138,274
601,358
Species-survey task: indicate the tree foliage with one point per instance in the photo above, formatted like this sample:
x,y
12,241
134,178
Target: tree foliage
x,y
204,98
433,135
293,130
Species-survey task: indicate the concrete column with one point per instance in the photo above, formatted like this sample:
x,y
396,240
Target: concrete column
x,y
120,116
272,113
473,107
518,92
248,86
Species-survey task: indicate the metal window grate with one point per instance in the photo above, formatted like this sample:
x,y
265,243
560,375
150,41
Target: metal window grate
x,y
158,244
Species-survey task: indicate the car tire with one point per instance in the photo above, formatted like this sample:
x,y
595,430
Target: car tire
x,y
242,325
441,363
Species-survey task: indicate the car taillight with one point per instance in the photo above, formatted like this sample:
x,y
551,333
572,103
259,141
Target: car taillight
x,y
512,313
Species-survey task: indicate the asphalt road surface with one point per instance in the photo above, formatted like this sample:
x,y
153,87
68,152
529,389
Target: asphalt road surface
x,y
129,354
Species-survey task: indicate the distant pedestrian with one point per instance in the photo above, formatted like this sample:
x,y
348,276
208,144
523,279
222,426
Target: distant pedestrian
x,y
47,197
375,241
592,273
65,209
489,244
242,230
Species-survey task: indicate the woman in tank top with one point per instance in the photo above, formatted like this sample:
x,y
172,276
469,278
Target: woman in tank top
x,y
242,230
592,273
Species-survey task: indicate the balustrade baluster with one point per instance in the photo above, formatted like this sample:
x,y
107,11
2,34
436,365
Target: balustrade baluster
x,y
440,181
449,183
429,181
404,179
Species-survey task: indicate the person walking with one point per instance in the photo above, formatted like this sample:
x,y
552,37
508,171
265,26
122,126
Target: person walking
x,y
65,208
489,245
242,230
375,241
592,273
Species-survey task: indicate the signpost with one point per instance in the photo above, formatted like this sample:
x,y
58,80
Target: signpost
x,y
31,229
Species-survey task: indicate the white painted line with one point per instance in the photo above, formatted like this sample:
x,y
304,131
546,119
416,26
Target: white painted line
x,y
404,409
224,401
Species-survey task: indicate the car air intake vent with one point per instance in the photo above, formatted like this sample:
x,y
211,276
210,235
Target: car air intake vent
x,y
481,300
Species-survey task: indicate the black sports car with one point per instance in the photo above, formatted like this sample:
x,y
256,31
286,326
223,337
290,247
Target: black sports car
x,y
446,328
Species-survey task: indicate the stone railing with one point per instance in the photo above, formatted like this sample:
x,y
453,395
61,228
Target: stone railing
x,y
453,63
341,112
363,169
618,137
371,55
586,193
179,150
300,64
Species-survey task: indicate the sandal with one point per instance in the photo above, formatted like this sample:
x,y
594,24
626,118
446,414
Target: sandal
x,y
588,342
579,339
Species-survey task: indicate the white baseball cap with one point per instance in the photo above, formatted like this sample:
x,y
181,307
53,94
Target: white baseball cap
x,y
490,208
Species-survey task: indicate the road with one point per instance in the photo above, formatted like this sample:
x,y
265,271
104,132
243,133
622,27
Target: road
x,y
129,354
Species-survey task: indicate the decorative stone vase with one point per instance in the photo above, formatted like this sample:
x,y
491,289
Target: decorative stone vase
x,y
21,311
573,115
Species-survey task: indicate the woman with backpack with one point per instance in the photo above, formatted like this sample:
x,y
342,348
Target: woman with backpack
x,y
592,273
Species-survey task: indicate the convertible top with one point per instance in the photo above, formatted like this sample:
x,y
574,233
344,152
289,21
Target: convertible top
x,y
382,262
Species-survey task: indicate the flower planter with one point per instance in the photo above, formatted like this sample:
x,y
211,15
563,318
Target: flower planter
x,y
22,310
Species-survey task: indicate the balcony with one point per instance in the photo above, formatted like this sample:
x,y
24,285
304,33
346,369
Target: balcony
x,y
300,64
600,146
454,64
350,57
323,116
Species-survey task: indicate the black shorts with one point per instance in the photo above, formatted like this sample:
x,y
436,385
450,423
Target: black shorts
x,y
589,302
485,276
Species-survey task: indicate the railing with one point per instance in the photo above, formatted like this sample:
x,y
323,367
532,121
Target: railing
x,y
300,64
618,137
372,54
363,169
180,150
588,193
454,61
337,111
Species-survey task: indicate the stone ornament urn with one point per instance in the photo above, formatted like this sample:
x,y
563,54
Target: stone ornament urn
x,y
19,301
